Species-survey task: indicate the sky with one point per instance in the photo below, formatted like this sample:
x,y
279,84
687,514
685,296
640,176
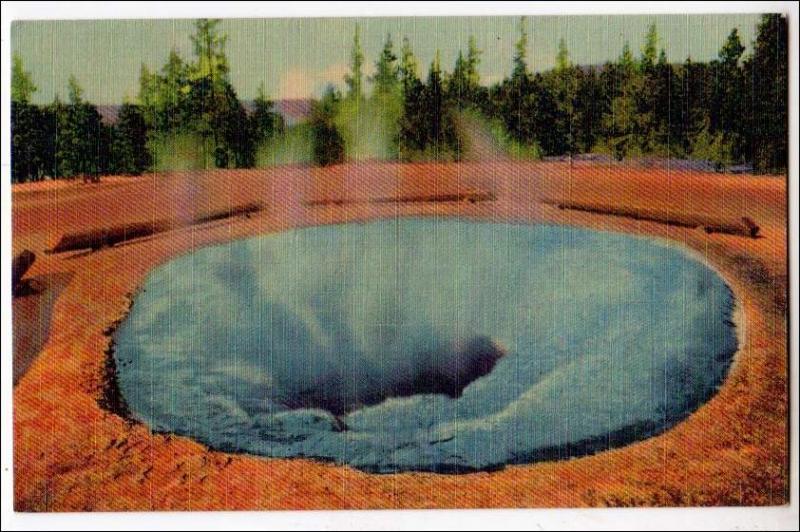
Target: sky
x,y
297,58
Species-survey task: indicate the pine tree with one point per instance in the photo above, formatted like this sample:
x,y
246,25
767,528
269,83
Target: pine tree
x,y
589,109
768,73
458,83
79,140
205,80
520,53
562,56
480,93
386,78
696,92
728,101
198,99
75,91
626,62
129,152
27,128
412,138
441,135
518,98
621,121
650,49
434,103
674,115
547,125
473,60
427,122
215,112
173,104
209,48
265,121
665,90
328,142
26,142
238,140
148,96
408,67
650,132
564,86
463,85
22,86
354,79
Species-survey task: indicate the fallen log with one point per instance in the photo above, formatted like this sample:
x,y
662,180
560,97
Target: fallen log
x,y
96,239
471,196
237,210
745,226
751,226
20,266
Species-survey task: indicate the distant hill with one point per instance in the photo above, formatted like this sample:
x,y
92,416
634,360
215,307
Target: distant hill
x,y
292,110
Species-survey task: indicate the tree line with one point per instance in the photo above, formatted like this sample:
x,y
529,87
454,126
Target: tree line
x,y
68,139
198,99
730,110
415,117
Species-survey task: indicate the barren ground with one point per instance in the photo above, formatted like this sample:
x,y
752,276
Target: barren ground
x,y
72,454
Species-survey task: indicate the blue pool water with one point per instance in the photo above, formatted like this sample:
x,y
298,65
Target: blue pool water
x,y
424,344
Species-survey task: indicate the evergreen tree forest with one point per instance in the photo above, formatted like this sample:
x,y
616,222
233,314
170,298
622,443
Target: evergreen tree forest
x,y
732,110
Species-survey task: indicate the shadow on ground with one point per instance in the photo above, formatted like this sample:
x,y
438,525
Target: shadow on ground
x,y
32,308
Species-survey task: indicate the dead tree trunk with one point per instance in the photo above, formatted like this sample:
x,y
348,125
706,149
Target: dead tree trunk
x,y
20,266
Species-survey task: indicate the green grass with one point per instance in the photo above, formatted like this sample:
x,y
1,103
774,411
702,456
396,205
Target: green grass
x,y
294,145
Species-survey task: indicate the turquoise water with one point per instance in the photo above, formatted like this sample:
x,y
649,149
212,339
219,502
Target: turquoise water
x,y
425,344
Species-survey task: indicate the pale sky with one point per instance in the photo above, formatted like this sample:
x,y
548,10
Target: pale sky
x,y
298,57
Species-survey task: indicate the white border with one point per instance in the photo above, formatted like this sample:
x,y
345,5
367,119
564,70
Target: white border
x,y
599,519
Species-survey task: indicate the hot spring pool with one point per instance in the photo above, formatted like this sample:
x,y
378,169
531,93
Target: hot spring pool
x,y
423,344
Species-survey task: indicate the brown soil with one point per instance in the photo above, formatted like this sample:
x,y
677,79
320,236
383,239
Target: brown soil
x,y
70,453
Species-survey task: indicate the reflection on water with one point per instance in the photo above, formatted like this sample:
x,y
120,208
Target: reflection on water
x,y
423,344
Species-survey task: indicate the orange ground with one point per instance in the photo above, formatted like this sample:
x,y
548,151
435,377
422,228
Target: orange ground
x,y
71,454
